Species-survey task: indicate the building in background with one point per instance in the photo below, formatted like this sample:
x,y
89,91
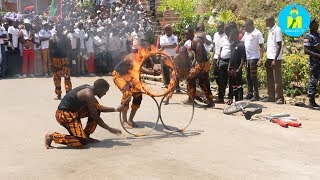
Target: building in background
x,y
22,5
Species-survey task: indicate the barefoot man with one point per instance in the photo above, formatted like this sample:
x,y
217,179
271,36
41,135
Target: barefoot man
x,y
123,80
201,68
80,103
183,62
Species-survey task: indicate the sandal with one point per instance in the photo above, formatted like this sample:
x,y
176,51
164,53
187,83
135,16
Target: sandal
x,y
229,102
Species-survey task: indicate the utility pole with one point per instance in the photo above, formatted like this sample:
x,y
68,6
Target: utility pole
x,y
36,6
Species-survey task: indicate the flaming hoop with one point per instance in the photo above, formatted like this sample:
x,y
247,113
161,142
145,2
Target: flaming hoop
x,y
147,125
140,59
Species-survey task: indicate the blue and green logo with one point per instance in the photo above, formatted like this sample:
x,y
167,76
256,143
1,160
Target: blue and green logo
x,y
294,20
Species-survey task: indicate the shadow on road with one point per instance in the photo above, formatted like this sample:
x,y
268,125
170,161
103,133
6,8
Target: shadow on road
x,y
108,143
167,134
255,105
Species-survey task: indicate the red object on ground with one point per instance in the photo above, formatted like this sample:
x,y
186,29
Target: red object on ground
x,y
281,123
294,123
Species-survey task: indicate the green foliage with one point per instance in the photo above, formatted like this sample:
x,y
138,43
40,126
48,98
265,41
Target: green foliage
x,y
186,8
295,74
227,16
312,6
89,6
295,70
187,13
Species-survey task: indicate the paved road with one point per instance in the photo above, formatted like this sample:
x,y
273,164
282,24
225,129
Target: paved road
x,y
215,146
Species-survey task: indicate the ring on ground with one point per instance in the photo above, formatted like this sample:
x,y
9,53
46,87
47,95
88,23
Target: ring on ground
x,y
146,117
176,116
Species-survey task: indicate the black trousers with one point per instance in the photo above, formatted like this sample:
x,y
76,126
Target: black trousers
x,y
252,78
14,63
222,79
235,85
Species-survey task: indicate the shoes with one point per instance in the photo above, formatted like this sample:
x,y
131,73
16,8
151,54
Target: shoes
x,y
249,114
248,96
210,104
178,90
92,75
254,99
31,75
198,98
46,75
58,97
267,99
164,86
24,76
280,101
313,105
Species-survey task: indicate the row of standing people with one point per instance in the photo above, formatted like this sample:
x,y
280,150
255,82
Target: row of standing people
x,y
229,56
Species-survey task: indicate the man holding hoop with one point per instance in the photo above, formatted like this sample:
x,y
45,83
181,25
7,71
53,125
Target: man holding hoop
x,y
123,79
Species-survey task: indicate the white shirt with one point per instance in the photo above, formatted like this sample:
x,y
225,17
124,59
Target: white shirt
x,y
73,39
274,36
123,43
89,45
81,35
252,43
226,50
15,35
165,40
45,34
53,32
136,38
217,43
100,42
114,43
2,32
36,40
208,47
187,44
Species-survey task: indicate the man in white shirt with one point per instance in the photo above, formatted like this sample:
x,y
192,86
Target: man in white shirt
x,y
81,34
168,43
123,42
223,63
101,43
208,45
74,51
45,36
114,47
38,67
90,52
273,63
253,42
15,58
136,37
217,37
3,58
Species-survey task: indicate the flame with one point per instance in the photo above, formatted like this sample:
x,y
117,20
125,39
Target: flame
x,y
139,59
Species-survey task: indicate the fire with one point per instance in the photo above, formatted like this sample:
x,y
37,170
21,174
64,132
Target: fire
x,y
139,60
